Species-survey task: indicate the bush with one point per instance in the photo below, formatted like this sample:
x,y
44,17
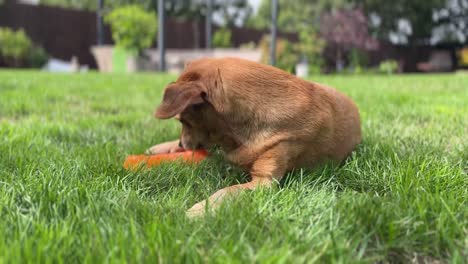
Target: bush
x,y
18,50
37,57
133,28
14,46
310,47
286,54
222,38
388,66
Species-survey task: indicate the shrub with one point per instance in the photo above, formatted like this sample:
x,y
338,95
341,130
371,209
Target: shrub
x,y
222,38
133,28
310,46
14,46
388,66
18,50
37,57
287,57
286,54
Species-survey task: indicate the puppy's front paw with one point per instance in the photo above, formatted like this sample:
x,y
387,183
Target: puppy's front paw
x,y
157,150
163,148
208,205
198,210
148,152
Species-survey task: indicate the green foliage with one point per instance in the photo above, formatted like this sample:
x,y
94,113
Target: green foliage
x,y
388,66
299,13
311,47
287,56
222,38
18,50
300,17
37,57
90,5
286,53
133,28
295,14
14,46
418,12
230,12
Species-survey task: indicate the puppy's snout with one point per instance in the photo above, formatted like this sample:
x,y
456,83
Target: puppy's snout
x,y
189,144
185,143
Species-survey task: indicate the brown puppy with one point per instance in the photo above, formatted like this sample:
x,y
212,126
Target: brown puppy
x,y
266,121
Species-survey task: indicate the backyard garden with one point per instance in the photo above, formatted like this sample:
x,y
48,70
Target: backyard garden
x,y
65,197
80,81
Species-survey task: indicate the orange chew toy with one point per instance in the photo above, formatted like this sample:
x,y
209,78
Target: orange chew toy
x,y
188,156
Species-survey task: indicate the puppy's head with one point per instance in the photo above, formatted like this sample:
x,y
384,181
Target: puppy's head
x,y
188,102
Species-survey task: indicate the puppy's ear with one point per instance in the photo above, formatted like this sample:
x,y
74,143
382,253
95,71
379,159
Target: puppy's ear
x,y
218,96
177,97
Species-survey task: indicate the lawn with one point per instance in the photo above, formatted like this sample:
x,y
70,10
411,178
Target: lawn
x,y
64,196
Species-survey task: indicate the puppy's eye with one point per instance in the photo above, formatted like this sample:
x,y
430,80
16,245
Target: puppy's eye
x,y
197,107
185,123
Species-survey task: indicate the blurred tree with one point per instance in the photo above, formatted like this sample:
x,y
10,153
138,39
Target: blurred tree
x,y
229,12
133,28
232,12
452,22
76,4
286,55
14,46
310,47
295,15
401,21
344,30
222,38
225,12
302,17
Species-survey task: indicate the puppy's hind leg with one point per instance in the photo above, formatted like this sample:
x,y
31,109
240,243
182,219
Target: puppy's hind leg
x,y
268,168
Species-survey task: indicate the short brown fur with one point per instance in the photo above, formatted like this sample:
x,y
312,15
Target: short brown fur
x,y
265,120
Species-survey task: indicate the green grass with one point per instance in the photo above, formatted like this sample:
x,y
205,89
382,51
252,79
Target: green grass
x,y
64,196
